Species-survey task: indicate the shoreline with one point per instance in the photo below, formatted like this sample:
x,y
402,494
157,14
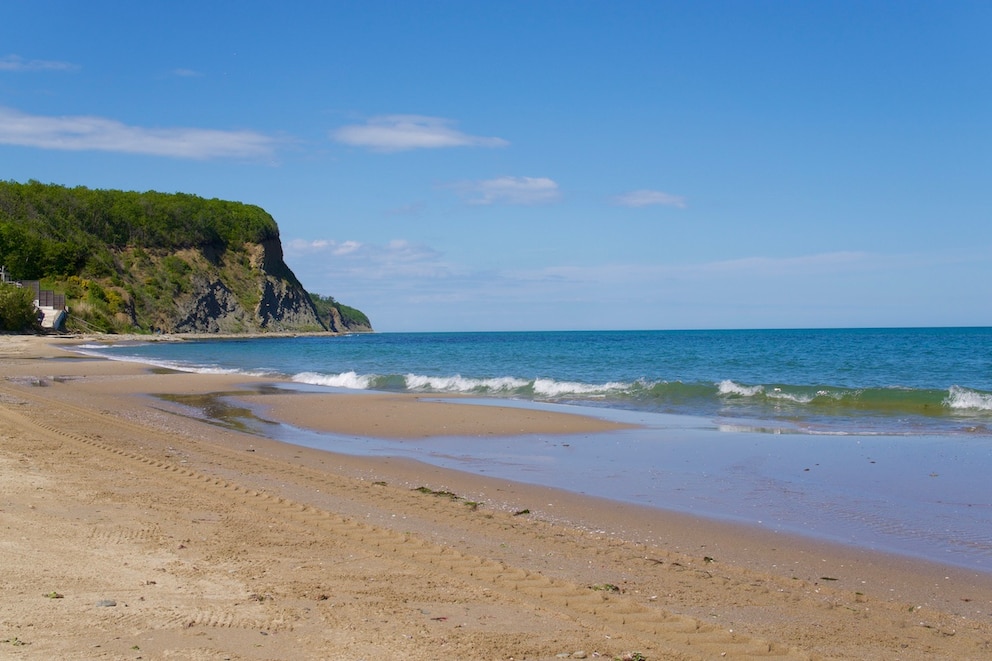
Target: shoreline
x,y
409,416
795,594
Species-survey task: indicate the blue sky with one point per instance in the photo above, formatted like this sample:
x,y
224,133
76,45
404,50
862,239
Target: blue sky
x,y
546,165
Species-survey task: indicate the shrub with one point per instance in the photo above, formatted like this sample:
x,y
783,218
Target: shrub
x,y
17,311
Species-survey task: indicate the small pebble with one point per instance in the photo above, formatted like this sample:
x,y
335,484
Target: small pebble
x,y
106,603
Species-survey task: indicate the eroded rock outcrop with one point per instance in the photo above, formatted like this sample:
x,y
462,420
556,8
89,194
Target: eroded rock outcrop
x,y
214,310
335,323
269,298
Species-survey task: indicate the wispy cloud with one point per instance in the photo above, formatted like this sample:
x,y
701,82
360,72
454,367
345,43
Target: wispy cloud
x,y
89,133
305,247
801,264
510,190
743,268
390,133
186,73
646,198
18,63
354,260
412,209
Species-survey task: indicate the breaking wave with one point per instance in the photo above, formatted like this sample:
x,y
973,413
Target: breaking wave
x,y
460,384
846,380
349,380
968,400
722,396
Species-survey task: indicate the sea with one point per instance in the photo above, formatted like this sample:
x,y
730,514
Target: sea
x,y
876,438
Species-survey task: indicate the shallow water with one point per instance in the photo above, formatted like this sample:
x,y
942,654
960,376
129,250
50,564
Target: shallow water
x,y
836,381
924,496
880,438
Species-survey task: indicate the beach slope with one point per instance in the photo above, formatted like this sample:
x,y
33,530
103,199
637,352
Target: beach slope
x,y
130,531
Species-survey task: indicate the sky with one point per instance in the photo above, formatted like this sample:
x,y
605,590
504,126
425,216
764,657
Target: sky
x,y
583,165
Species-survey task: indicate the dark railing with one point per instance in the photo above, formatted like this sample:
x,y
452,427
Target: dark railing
x,y
45,297
31,284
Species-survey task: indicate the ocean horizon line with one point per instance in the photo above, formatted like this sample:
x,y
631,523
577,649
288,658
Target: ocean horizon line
x,y
285,334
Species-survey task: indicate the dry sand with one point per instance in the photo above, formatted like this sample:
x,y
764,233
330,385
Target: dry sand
x,y
130,532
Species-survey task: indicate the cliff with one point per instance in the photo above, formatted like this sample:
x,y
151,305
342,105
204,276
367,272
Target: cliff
x,y
225,298
151,262
340,318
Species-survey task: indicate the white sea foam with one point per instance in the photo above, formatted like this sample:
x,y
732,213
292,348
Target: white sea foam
x,y
777,393
458,383
349,380
959,398
552,388
728,387
216,370
164,364
102,345
209,369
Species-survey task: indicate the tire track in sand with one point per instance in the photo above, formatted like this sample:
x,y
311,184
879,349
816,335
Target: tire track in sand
x,y
656,628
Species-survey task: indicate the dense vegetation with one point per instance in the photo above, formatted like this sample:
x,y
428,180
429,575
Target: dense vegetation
x,y
349,315
124,259
17,311
50,231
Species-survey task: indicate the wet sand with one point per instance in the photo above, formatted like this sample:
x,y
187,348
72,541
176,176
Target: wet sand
x,y
410,416
212,544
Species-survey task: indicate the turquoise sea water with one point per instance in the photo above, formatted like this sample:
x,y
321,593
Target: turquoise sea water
x,y
892,381
876,438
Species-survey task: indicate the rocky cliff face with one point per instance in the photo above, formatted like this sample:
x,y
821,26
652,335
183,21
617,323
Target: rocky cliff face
x,y
213,308
261,295
284,306
336,324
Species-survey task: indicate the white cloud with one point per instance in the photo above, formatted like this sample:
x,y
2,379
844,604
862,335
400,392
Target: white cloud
x,y
792,269
412,209
346,248
302,246
645,198
799,265
404,132
394,282
84,133
350,249
356,261
511,190
18,63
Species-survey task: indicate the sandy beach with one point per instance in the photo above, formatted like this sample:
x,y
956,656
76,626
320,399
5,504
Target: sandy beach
x,y
130,531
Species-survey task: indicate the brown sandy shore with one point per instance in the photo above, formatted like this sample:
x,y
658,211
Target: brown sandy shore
x,y
128,531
